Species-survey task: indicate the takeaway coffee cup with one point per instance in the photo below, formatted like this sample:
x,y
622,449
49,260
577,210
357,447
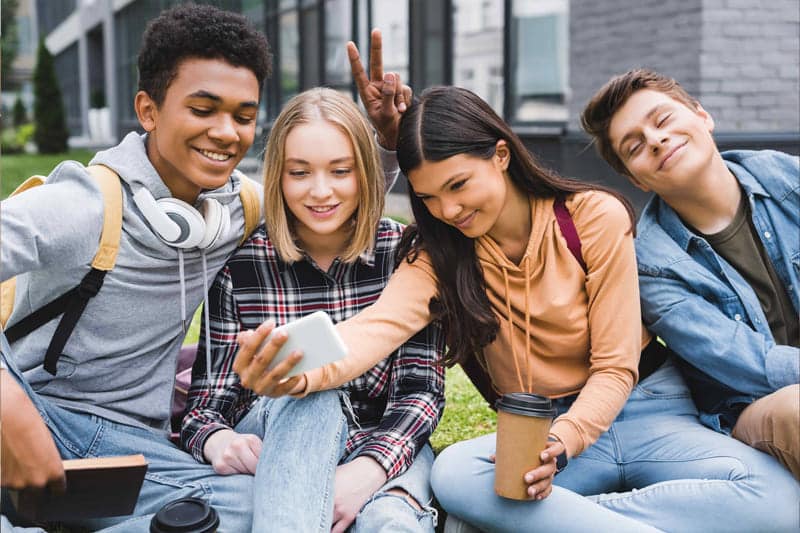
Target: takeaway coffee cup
x,y
187,515
523,423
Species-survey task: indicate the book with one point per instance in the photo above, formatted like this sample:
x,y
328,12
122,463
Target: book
x,y
96,487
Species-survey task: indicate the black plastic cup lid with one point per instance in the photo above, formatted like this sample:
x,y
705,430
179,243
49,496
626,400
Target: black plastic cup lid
x,y
184,516
526,404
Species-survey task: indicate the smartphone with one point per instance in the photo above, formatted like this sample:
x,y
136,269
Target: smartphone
x,y
315,336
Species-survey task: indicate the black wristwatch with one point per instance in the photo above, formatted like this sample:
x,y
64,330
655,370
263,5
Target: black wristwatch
x,y
561,459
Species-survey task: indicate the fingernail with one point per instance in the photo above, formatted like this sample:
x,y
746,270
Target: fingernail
x,y
529,479
388,77
532,492
401,107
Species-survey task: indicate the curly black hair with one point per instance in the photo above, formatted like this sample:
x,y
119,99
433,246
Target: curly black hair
x,y
198,31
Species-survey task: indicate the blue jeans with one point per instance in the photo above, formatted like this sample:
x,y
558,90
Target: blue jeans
x,y
300,466
656,467
173,473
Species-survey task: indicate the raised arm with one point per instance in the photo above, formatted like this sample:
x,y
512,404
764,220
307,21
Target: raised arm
x,y
384,96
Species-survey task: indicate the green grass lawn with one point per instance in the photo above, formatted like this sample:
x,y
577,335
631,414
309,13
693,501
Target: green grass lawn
x,y
16,168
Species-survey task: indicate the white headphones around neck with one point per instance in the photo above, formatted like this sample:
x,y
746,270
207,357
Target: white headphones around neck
x,y
181,225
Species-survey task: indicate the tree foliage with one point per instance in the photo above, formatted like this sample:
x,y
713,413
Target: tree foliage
x,y
48,107
20,113
9,43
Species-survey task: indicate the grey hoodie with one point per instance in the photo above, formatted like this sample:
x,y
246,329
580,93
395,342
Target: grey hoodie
x,y
120,361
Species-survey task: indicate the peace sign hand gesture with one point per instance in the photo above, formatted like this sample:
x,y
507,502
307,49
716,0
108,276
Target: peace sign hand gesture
x,y
383,95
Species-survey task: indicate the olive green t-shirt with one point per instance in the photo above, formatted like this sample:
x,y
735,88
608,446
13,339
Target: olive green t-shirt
x,y
741,246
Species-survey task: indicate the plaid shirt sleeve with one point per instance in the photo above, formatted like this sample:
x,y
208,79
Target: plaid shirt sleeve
x,y
414,405
220,403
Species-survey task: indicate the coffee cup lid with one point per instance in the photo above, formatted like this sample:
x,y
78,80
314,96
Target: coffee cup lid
x,y
184,516
527,404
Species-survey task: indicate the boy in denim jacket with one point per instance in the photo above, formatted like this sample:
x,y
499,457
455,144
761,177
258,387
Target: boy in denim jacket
x,y
718,255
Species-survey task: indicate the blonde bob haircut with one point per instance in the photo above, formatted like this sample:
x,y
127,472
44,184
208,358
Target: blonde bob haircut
x,y
339,110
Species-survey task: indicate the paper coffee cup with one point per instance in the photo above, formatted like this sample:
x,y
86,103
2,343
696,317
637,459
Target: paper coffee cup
x,y
187,515
523,423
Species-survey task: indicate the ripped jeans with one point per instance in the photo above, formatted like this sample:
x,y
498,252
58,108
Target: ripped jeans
x,y
298,463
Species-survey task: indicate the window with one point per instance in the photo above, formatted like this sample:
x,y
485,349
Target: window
x,y
66,67
338,30
539,58
288,54
129,24
391,17
478,49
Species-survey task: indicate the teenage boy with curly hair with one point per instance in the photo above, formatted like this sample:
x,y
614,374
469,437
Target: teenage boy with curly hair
x,y
108,392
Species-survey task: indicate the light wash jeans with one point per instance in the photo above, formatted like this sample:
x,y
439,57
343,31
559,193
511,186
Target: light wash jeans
x,y
303,501
173,473
656,467
292,489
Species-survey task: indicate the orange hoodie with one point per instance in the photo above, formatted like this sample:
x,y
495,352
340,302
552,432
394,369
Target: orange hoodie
x,y
562,331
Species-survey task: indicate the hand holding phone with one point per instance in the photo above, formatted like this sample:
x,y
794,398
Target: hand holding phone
x,y
315,336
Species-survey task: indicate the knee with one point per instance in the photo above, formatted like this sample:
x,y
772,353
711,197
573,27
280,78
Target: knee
x,y
444,468
785,413
450,475
318,404
395,510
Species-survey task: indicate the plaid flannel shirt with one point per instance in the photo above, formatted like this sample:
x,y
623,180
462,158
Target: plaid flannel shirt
x,y
397,403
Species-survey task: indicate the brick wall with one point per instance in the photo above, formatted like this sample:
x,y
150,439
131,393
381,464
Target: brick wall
x,y
750,64
739,57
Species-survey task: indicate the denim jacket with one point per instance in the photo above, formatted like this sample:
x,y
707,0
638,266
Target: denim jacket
x,y
705,311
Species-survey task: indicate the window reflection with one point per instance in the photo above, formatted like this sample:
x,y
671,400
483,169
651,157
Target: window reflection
x,y
391,17
539,60
289,47
338,30
478,49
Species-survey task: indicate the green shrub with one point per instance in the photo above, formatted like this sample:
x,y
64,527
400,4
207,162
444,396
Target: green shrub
x,y
20,113
48,109
9,143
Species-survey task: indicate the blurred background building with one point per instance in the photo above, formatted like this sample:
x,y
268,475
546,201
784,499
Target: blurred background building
x,y
536,62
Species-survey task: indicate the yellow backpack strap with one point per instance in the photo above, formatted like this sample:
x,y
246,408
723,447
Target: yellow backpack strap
x,y
110,186
252,207
106,255
8,288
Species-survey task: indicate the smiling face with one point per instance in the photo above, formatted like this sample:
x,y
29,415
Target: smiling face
x,y
664,144
319,183
465,191
204,126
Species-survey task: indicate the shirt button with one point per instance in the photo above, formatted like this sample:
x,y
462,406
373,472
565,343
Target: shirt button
x,y
767,235
737,317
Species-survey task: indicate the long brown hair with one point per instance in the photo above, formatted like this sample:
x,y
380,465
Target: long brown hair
x,y
444,122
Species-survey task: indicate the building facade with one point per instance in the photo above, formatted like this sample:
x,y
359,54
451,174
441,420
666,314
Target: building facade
x,y
536,62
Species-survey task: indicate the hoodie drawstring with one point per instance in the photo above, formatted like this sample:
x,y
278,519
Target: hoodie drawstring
x,y
510,323
181,274
205,316
528,358
183,289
